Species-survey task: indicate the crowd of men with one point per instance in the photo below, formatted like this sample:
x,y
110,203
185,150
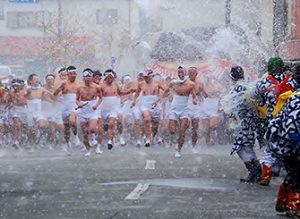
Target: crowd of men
x,y
149,106
145,108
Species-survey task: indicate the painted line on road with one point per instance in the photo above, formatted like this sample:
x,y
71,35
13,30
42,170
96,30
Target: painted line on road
x,y
150,165
137,192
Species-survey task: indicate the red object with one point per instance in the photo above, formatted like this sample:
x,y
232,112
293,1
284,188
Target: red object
x,y
266,175
217,71
293,204
278,87
282,199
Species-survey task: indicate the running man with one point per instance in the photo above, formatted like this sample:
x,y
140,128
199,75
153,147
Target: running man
x,y
195,110
69,89
182,88
150,91
88,99
111,103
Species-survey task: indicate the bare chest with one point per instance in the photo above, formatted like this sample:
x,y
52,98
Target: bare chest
x,y
87,93
35,94
182,89
109,90
70,88
152,89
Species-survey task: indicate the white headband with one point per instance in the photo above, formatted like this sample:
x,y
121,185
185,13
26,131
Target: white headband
x,y
72,70
106,74
87,73
126,78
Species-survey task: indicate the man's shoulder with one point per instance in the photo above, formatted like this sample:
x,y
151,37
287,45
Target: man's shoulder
x,y
192,83
79,83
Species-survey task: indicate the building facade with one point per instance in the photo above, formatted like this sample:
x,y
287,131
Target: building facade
x,y
69,31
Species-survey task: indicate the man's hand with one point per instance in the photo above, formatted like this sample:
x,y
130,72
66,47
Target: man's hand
x,y
133,103
154,104
195,101
95,106
221,110
131,90
80,105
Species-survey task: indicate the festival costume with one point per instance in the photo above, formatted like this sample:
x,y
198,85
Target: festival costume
x,y
87,113
178,109
284,136
246,132
267,92
69,106
110,107
146,105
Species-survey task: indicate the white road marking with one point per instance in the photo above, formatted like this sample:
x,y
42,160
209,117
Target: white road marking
x,y
137,192
150,165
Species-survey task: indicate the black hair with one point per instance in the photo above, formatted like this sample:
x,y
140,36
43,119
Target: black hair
x,y
62,70
97,72
112,71
49,75
71,68
88,69
31,76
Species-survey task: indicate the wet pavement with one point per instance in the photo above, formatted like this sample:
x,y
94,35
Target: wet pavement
x,y
131,183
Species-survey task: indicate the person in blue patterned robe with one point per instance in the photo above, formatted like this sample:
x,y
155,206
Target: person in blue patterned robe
x,y
267,92
284,136
248,121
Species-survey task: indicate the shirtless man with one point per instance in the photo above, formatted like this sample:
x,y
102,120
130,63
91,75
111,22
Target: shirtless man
x,y
182,88
34,109
136,112
111,103
88,99
4,100
49,108
62,76
150,91
69,89
97,78
127,110
18,103
211,108
194,110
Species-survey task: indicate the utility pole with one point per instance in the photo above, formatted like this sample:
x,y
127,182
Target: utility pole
x,y
280,21
60,30
227,12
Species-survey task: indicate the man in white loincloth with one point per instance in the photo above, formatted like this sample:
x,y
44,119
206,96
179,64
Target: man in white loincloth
x,y
150,91
195,110
111,103
88,99
69,89
182,88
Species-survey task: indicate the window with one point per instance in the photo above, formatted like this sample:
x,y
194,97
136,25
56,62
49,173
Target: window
x,y
109,16
26,19
12,19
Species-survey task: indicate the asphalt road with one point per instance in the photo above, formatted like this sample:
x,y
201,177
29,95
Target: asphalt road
x,y
131,183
